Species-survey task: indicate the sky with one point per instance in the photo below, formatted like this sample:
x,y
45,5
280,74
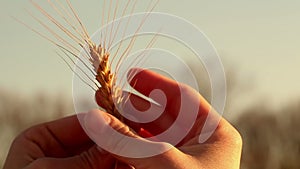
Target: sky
x,y
258,40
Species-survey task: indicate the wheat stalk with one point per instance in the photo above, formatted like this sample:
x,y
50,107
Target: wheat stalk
x,y
97,55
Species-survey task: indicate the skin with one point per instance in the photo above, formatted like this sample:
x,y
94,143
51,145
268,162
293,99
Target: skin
x,y
64,144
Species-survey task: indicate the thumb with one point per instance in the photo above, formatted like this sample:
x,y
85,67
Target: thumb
x,y
117,138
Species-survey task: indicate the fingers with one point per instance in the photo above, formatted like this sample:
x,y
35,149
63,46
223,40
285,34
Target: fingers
x,y
178,95
173,98
146,81
136,110
65,135
60,138
168,96
93,158
115,137
68,131
144,114
181,107
180,99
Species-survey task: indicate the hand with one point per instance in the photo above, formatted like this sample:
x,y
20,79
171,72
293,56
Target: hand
x,y
64,144
61,144
222,150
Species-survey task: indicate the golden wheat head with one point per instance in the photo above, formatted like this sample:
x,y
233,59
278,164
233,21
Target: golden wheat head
x,y
97,55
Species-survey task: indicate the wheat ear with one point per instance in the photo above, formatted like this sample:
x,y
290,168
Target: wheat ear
x,y
97,55
107,80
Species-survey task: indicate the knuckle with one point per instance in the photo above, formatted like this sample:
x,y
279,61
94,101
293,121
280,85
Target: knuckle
x,y
32,132
23,135
237,138
27,136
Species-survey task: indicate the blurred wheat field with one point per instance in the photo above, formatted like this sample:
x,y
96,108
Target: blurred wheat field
x,y
271,137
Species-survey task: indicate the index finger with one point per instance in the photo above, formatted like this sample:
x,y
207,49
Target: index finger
x,y
63,136
145,81
58,139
